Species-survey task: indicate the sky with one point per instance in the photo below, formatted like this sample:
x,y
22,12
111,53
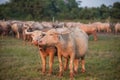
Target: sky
x,y
96,3
88,3
3,1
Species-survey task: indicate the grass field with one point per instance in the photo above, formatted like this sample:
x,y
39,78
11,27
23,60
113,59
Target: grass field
x,y
22,62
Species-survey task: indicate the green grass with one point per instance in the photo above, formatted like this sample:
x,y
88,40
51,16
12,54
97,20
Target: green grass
x,y
22,62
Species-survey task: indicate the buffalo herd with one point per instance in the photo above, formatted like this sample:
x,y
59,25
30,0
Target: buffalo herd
x,y
64,39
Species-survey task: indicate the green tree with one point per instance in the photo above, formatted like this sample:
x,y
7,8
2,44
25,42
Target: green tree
x,y
104,11
115,13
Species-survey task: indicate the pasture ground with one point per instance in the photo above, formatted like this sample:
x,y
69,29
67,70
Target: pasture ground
x,y
22,62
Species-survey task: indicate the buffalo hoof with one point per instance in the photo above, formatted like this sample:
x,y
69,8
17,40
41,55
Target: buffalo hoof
x,y
43,72
75,72
95,39
65,69
60,74
71,76
83,70
49,73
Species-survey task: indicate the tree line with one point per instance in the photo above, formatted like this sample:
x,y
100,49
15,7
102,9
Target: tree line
x,y
56,9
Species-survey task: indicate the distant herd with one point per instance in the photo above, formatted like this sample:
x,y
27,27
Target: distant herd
x,y
64,39
18,28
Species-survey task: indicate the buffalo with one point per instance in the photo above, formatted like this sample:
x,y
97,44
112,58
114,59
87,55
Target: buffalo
x,y
5,28
71,44
44,51
117,28
17,29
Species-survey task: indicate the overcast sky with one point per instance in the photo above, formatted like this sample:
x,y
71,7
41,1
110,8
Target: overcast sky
x,y
88,3
3,1
96,3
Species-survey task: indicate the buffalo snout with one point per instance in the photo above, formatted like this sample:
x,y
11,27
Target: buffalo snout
x,y
35,43
42,42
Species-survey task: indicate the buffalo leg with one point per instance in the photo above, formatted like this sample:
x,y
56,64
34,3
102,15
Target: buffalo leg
x,y
76,63
18,35
66,64
71,66
51,59
60,65
83,65
95,36
43,62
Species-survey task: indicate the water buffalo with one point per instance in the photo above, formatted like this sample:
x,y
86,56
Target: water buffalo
x,y
90,29
71,45
44,51
47,24
58,24
117,28
37,26
105,27
30,23
27,32
5,28
17,29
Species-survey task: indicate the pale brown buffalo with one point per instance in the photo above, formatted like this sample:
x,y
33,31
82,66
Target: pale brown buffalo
x,y
30,23
5,28
117,28
47,24
90,29
37,26
105,27
70,44
17,29
27,32
44,51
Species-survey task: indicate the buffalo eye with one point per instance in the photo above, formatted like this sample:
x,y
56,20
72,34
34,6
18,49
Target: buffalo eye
x,y
43,34
51,34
